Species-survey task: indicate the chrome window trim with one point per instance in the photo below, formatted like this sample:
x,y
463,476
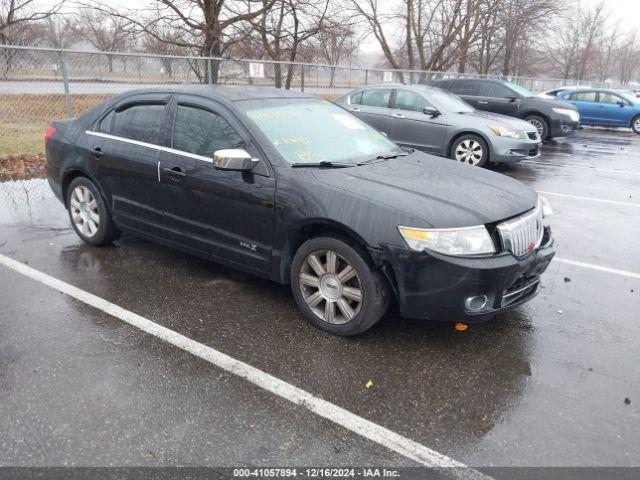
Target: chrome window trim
x,y
150,145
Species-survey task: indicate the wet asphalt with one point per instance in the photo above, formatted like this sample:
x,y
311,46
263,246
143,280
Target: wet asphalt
x,y
542,385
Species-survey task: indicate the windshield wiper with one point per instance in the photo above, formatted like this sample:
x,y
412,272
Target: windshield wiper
x,y
323,164
387,156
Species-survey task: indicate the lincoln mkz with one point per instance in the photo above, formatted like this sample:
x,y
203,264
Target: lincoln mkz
x,y
295,189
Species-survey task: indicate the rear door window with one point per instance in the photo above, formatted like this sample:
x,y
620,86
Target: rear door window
x,y
378,97
202,132
493,90
583,97
463,87
141,122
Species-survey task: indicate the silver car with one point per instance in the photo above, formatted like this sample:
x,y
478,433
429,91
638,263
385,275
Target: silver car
x,y
436,121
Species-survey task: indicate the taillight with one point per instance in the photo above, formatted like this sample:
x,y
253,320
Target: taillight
x,y
49,133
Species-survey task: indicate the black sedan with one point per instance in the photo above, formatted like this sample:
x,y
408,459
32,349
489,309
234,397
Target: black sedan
x,y
551,118
295,189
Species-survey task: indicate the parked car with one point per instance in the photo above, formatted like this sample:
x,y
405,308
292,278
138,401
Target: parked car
x,y
551,118
438,122
608,108
297,190
553,93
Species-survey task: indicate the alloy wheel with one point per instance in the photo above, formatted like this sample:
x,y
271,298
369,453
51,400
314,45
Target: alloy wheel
x,y
84,211
538,124
331,287
637,125
469,151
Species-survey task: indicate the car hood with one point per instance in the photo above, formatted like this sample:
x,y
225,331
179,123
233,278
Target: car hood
x,y
503,120
550,103
433,191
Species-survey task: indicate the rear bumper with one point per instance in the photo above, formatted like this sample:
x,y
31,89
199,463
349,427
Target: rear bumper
x,y
437,287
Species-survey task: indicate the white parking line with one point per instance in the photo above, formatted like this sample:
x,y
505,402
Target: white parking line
x,y
602,200
365,428
605,170
592,266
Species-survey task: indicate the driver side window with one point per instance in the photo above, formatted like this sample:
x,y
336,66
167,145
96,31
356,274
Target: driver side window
x,y
202,132
609,98
406,100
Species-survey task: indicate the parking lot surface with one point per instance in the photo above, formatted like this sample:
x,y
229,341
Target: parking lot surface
x,y
552,383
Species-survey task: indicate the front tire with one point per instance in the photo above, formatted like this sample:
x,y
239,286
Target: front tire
x,y
471,150
335,287
89,214
635,124
541,125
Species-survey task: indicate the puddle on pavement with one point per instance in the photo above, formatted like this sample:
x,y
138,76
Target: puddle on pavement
x,y
29,202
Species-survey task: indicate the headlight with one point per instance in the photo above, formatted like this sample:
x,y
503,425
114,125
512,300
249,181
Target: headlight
x,y
450,241
507,132
572,114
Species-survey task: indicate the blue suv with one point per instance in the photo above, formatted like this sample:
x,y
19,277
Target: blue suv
x,y
607,108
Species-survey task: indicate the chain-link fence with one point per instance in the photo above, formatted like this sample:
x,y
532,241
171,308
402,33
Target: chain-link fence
x,y
38,85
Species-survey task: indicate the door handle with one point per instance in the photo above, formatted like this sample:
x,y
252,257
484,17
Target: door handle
x,y
176,174
398,115
482,102
97,152
355,109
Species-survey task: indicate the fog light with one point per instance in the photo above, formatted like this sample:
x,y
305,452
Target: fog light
x,y
477,303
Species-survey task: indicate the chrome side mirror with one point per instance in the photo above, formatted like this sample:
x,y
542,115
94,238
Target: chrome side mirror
x,y
235,159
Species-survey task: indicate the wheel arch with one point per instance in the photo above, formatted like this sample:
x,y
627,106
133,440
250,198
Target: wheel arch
x,y
470,132
72,173
312,228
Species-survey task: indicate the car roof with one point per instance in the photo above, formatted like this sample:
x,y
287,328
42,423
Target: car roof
x,y
231,93
413,87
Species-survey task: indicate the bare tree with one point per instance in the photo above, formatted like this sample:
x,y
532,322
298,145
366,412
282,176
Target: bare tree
x,y
334,44
105,31
284,28
17,21
205,27
628,59
15,14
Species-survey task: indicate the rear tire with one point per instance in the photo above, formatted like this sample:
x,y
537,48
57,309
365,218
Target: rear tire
x,y
335,287
89,214
541,125
471,150
635,124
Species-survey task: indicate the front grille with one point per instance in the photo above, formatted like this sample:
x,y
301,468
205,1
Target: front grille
x,y
523,234
532,135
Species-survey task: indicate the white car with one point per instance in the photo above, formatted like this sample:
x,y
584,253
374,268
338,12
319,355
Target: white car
x,y
552,94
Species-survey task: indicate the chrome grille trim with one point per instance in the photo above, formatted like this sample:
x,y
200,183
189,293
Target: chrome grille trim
x,y
518,234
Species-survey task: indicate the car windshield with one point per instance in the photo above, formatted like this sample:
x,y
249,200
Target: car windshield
x,y
520,90
449,102
307,131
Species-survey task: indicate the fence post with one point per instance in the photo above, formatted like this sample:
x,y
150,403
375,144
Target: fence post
x,y
366,77
302,78
65,81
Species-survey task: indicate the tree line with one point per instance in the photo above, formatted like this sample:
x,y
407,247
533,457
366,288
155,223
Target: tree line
x,y
556,38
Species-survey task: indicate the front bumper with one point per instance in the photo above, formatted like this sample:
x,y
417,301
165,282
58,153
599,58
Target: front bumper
x,y
563,127
436,287
512,150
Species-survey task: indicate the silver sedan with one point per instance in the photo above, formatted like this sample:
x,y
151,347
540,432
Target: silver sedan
x,y
435,121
